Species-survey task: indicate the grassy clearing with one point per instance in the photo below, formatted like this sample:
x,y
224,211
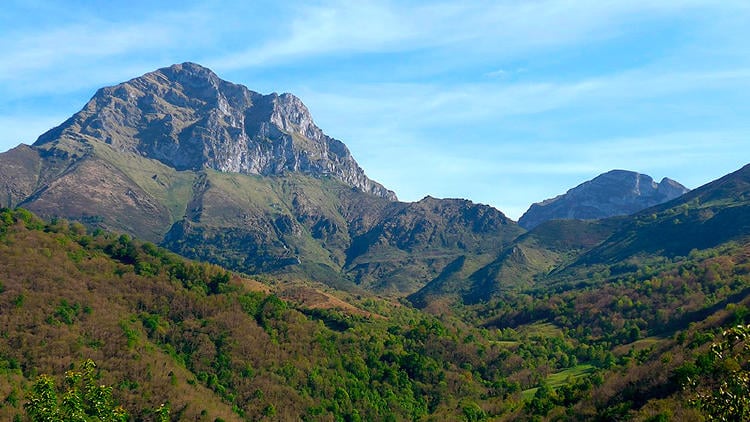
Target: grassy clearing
x,y
541,329
506,343
527,395
558,379
638,345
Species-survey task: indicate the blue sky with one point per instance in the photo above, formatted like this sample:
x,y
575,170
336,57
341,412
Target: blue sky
x,y
501,102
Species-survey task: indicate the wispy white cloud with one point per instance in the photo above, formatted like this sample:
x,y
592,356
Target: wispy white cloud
x,y
424,105
341,27
504,28
67,44
90,48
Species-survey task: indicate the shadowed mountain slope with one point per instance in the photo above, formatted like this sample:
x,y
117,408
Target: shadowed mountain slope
x,y
708,216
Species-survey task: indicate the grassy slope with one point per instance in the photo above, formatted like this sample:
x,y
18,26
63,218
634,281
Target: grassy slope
x,y
275,198
169,187
87,180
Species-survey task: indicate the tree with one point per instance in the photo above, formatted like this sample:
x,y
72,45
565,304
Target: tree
x,y
83,400
725,396
542,402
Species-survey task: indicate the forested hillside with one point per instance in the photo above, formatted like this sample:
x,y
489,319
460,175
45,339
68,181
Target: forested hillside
x,y
208,344
214,345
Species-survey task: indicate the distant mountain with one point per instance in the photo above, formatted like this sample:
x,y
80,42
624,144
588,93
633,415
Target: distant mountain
x,y
708,216
217,172
617,192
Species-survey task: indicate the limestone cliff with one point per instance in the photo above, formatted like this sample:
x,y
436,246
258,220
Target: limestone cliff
x,y
188,118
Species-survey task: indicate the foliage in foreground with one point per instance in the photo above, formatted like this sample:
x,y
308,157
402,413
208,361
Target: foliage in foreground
x,y
724,394
81,399
164,329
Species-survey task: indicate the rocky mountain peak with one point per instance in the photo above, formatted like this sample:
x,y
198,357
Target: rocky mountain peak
x,y
290,114
188,118
617,192
190,73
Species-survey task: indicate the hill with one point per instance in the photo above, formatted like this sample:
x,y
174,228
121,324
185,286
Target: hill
x,y
211,344
704,218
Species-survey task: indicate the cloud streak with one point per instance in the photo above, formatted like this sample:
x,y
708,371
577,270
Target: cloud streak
x,y
75,42
429,105
505,28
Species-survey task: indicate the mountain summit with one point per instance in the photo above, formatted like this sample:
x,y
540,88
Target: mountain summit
x,y
617,192
188,118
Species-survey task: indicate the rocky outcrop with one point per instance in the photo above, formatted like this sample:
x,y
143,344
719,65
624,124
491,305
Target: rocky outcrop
x,y
188,118
617,192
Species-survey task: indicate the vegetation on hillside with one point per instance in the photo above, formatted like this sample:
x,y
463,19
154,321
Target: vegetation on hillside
x,y
641,341
164,330
651,325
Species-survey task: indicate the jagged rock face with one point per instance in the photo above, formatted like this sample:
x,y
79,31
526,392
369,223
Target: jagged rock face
x,y
614,193
188,118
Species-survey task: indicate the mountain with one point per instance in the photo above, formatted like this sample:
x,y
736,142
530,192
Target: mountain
x,y
617,192
563,252
706,217
217,172
189,119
